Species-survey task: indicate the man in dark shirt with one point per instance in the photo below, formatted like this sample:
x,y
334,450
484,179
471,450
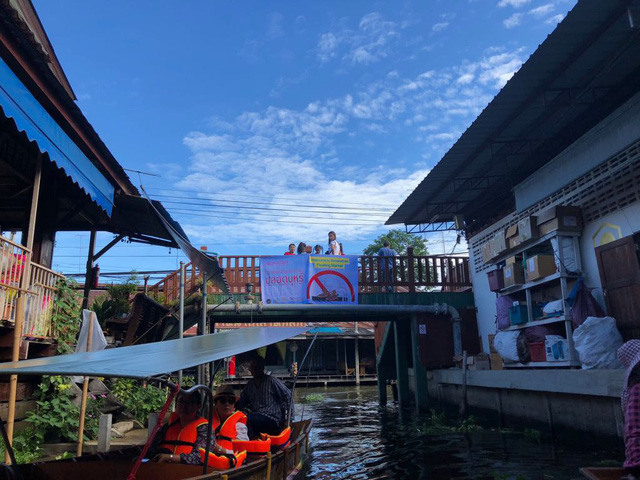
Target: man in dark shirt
x,y
268,399
386,264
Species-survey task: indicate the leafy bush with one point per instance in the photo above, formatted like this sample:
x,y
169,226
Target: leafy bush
x,y
116,301
138,399
67,314
56,417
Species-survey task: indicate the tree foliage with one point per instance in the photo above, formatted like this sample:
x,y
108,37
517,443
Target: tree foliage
x,y
399,240
116,301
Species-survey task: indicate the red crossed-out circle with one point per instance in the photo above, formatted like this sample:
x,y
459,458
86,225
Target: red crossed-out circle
x,y
316,279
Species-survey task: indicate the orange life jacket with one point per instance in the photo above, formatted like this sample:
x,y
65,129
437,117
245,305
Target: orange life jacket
x,y
278,441
224,462
179,439
255,447
226,432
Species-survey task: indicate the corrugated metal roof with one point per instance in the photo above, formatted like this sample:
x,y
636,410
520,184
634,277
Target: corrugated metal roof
x,y
584,70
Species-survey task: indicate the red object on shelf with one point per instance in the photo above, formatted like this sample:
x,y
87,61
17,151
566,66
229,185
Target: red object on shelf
x,y
232,365
537,352
496,280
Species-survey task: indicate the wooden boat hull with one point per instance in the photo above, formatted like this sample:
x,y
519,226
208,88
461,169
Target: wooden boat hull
x,y
602,473
283,464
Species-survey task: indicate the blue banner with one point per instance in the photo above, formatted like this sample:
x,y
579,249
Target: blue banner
x,y
322,279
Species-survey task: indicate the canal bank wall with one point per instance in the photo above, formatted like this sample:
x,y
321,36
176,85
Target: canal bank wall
x,y
575,400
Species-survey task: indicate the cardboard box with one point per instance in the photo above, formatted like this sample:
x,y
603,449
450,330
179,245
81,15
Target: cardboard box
x,y
563,218
514,259
513,274
487,252
491,347
496,361
528,229
499,242
557,349
512,236
540,266
478,362
496,280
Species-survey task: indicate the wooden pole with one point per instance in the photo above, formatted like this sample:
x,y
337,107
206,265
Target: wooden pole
x,y
22,299
463,399
88,278
181,315
85,391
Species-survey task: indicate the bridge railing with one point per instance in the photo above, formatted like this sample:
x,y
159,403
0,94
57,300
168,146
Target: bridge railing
x,y
403,274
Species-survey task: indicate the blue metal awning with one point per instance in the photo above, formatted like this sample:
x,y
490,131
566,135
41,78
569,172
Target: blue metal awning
x,y
18,103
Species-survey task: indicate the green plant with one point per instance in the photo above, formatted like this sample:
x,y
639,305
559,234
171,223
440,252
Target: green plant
x,y
468,425
139,399
26,447
313,398
66,319
116,302
533,434
56,416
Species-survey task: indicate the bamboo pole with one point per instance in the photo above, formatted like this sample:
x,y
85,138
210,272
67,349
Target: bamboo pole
x,y
85,391
22,299
181,315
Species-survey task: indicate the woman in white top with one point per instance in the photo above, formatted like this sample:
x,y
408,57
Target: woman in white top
x,y
334,246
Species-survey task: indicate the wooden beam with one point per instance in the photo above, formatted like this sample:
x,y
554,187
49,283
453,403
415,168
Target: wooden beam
x,y
419,371
402,365
107,247
88,277
22,300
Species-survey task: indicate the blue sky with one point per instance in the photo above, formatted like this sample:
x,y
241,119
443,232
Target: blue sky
x,y
275,122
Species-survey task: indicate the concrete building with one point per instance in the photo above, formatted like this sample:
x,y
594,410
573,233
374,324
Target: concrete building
x,y
564,131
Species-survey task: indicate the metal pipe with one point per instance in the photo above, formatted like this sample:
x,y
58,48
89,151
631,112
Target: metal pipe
x,y
181,313
203,323
438,309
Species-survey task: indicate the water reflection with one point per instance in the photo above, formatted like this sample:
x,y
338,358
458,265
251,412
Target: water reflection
x,y
353,438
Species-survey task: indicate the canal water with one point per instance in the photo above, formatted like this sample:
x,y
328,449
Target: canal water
x,y
353,438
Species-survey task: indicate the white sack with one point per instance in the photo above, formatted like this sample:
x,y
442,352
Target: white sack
x,y
506,344
597,341
98,342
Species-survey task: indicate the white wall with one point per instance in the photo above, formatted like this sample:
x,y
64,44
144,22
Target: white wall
x,y
619,130
627,220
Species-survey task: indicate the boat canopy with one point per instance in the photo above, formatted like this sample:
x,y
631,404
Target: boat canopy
x,y
153,359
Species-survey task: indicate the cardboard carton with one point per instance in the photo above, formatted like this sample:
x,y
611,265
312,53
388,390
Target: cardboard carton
x,y
513,259
491,347
563,218
499,242
478,362
540,266
557,349
496,361
528,229
513,274
487,252
512,236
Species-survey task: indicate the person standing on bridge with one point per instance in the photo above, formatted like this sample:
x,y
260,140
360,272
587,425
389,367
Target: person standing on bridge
x,y
386,265
334,246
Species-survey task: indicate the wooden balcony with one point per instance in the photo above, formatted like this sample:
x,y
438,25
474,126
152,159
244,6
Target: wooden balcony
x,y
40,290
406,274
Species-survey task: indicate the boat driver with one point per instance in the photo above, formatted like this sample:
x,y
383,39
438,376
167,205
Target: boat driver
x,y
183,437
267,399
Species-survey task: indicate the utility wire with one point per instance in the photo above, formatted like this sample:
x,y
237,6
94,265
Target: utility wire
x,y
282,219
339,190
213,205
387,211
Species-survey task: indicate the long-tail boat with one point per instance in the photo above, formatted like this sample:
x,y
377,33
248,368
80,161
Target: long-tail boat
x,y
149,362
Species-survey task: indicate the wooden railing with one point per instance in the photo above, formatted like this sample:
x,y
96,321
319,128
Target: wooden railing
x,y
40,303
41,290
406,273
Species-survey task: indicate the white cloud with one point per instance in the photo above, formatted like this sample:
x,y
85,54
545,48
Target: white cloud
x,y
364,46
542,10
555,19
513,3
439,27
275,25
278,154
513,21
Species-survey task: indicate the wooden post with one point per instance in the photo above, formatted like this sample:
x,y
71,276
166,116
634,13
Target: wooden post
x,y
382,385
463,399
22,300
402,365
411,273
181,314
357,355
85,391
104,433
88,278
419,371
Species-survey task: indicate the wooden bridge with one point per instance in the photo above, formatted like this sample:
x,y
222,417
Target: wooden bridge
x,y
409,274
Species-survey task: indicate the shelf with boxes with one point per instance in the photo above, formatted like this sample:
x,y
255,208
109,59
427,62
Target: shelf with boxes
x,y
536,259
